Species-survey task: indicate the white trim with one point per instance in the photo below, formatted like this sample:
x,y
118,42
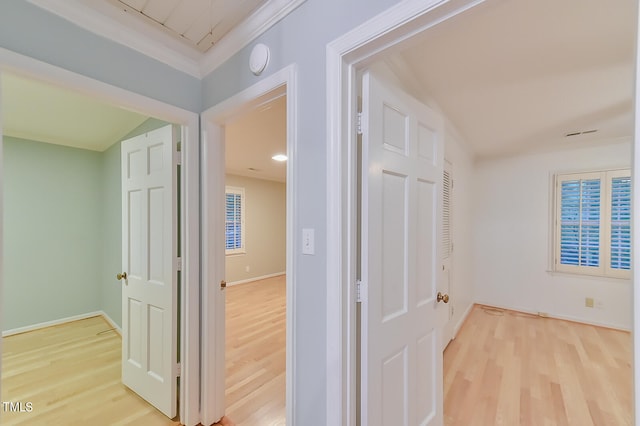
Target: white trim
x,y
41,325
463,318
554,316
191,282
258,23
1,228
250,280
635,229
111,322
101,19
104,19
213,120
29,67
345,56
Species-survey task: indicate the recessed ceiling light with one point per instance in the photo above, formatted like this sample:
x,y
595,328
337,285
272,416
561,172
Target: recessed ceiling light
x,y
279,157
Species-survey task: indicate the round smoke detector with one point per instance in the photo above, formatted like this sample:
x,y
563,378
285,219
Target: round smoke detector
x,y
259,59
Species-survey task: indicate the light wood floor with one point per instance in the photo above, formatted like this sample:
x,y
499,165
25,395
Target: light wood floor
x,y
506,368
71,375
503,368
256,352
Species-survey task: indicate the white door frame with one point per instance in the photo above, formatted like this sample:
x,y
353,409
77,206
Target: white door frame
x,y
213,253
190,331
345,56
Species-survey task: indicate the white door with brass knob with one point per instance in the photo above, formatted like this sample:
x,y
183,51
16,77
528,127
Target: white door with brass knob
x,y
402,161
149,290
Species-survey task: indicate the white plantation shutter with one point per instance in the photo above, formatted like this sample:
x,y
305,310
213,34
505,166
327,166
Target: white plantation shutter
x,y
234,220
620,226
580,222
593,216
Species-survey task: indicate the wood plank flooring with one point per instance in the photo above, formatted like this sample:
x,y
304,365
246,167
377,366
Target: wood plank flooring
x,y
508,368
503,368
256,352
71,375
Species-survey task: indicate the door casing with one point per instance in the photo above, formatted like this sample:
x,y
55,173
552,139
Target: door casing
x,y
280,83
190,187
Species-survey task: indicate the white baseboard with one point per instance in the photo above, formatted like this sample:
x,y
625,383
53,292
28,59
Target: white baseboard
x,y
463,318
263,277
556,316
46,324
111,322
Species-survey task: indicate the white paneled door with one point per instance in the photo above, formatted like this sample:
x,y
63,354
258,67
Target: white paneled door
x,y
149,260
401,355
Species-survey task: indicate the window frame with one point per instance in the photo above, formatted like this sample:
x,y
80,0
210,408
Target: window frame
x,y
604,268
236,191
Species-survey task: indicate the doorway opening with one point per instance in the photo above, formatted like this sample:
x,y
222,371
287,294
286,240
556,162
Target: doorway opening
x,y
376,39
86,179
233,377
255,265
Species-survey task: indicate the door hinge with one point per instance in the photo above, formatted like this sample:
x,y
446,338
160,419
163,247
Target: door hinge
x,y
359,123
359,291
179,264
178,153
178,370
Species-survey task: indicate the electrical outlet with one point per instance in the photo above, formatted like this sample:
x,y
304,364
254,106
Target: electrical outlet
x,y
247,268
599,304
588,302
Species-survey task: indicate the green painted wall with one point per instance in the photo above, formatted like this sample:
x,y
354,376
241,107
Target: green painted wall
x,y
110,289
52,223
111,249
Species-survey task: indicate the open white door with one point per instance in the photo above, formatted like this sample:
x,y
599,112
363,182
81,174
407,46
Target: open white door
x,y
401,356
149,248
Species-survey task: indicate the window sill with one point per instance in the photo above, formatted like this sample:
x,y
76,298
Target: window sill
x,y
587,276
236,253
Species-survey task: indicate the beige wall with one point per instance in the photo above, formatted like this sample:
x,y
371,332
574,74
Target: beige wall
x,y
265,230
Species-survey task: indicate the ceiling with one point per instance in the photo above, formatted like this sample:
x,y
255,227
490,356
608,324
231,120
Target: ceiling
x,y
510,75
253,138
198,23
43,112
193,36
516,76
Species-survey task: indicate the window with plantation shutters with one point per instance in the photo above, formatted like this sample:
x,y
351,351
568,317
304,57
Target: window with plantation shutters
x,y
234,220
593,214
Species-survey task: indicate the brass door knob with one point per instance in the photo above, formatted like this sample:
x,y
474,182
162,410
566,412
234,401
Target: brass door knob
x,y
223,284
442,297
122,276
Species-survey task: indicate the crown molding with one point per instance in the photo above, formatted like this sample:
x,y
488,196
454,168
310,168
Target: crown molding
x,y
255,25
103,19
100,20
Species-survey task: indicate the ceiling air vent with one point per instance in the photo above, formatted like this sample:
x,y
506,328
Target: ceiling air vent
x,y
584,132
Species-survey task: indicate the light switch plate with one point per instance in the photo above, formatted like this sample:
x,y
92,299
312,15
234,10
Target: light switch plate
x,y
308,243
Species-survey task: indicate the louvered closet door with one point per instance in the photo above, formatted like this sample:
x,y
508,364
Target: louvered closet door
x,y
445,314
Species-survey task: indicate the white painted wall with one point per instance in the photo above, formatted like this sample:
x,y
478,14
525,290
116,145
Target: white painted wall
x,y
265,230
512,238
